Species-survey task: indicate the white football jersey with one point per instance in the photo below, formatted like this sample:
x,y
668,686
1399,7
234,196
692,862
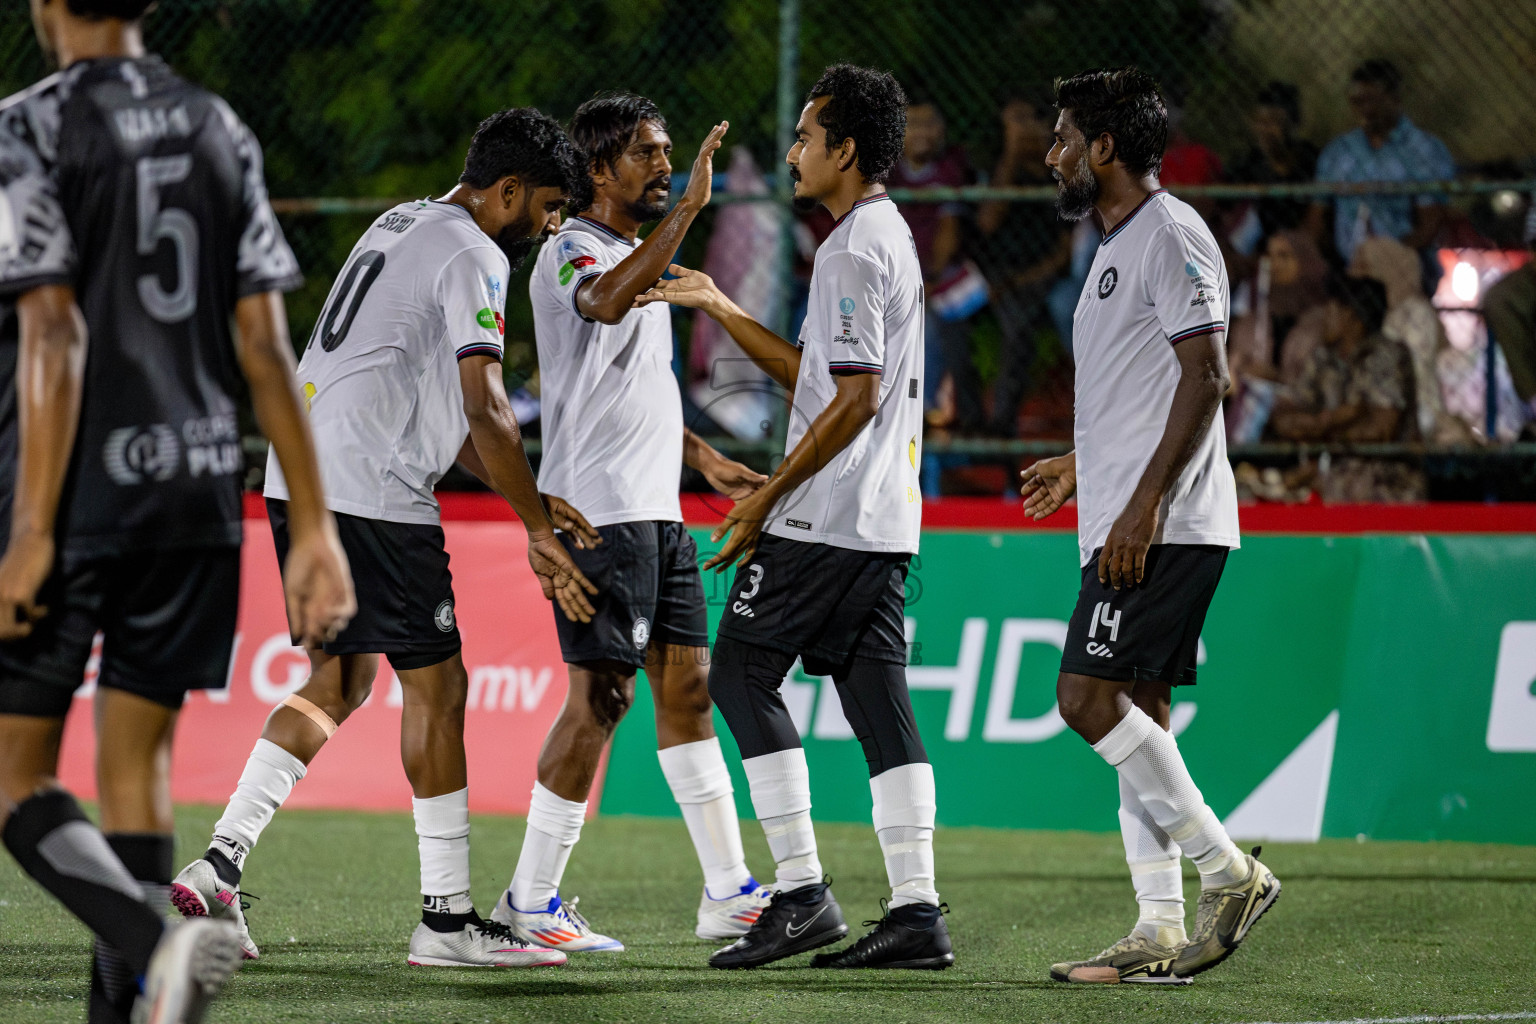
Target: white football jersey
x,y
864,315
1157,279
423,288
612,410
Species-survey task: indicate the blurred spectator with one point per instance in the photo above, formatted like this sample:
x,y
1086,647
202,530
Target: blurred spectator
x,y
1274,341
1187,162
1509,308
1275,156
954,285
1356,386
1412,321
1386,147
1024,250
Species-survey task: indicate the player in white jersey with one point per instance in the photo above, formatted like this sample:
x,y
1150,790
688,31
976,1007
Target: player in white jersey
x,y
822,548
614,444
402,376
1157,516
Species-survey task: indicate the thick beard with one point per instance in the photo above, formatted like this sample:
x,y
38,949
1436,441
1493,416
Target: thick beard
x,y
1075,198
805,204
644,212
515,242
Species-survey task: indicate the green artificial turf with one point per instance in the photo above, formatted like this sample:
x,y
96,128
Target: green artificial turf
x,y
1374,930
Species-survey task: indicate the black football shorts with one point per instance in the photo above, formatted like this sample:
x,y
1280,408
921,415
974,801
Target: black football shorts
x,y
1148,631
826,604
167,620
404,589
647,577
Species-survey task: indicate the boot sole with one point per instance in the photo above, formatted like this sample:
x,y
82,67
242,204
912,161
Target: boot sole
x,y
932,963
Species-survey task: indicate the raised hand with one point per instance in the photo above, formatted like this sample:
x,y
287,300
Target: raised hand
x,y
561,581
1048,484
699,183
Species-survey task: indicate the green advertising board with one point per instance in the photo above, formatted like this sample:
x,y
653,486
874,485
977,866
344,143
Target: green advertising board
x,y
1377,685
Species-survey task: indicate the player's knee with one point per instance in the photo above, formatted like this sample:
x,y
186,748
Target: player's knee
x,y
1083,705
610,695
689,699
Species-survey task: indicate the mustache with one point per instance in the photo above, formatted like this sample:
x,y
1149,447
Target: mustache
x,y
665,184
794,174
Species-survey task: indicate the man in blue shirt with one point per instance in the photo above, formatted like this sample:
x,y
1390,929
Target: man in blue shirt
x,y
1386,147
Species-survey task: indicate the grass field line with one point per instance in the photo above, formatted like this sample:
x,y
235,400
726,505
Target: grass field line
x,y
1451,1019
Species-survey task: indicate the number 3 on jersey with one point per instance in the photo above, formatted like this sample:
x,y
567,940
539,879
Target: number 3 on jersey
x,y
359,277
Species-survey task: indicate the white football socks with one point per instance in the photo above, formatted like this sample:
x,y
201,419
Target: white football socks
x,y
554,825
1154,864
701,785
1149,761
904,806
269,776
442,838
781,798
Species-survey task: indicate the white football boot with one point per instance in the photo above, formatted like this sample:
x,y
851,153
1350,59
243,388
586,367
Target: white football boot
x,y
199,892
190,964
558,926
478,944
731,917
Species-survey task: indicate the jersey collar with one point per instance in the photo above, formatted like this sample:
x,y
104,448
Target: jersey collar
x,y
605,229
862,202
1132,215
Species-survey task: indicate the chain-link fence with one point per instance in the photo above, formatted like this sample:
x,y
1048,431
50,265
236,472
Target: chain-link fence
x,y
362,102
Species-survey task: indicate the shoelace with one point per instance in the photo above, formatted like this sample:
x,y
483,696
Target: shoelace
x,y
499,932
575,917
242,896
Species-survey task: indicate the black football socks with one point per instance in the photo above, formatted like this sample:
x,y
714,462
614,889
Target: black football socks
x,y
114,986
56,844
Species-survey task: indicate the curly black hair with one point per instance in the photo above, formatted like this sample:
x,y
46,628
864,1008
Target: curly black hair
x,y
1123,103
126,10
867,106
1378,71
522,143
1365,297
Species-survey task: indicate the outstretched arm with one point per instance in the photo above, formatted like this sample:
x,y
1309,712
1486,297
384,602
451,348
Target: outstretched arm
x,y
695,289
499,444
727,476
50,375
855,404
609,296
317,582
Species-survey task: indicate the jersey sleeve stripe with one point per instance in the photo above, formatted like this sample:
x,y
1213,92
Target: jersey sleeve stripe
x,y
1195,332
848,366
480,348
575,288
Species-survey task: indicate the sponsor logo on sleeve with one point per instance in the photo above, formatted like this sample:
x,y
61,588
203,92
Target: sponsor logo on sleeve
x,y
1193,271
575,263
845,308
491,320
493,288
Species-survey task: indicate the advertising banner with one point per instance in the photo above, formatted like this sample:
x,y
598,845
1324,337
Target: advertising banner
x,y
516,684
1358,685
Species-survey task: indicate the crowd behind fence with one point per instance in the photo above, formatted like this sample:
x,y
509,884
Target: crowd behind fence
x,y
1394,139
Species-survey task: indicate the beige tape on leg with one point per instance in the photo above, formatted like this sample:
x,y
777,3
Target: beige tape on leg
x,y
310,710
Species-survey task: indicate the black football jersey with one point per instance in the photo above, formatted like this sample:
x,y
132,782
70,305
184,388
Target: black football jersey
x,y
145,193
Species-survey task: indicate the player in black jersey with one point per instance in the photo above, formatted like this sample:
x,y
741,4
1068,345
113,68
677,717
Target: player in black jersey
x,y
134,225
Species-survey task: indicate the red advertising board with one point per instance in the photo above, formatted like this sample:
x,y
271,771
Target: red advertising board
x,y
517,683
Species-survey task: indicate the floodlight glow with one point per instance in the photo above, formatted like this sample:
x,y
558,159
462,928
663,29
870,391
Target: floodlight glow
x,y
1464,282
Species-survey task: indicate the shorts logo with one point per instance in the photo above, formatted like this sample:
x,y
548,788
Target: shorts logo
x,y
135,454
1107,282
443,617
641,632
1101,617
